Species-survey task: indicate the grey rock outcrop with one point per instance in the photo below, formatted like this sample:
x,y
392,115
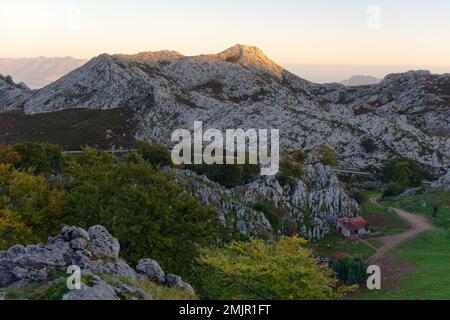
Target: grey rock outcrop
x,y
102,244
308,207
173,281
443,182
12,95
95,252
151,269
98,290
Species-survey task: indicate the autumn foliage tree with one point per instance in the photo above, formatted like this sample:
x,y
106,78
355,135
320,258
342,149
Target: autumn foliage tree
x,y
30,209
258,270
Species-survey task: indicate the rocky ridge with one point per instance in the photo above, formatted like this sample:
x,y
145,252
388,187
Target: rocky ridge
x,y
406,114
309,206
96,253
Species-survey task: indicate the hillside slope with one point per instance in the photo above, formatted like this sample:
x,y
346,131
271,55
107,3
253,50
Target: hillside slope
x,y
405,115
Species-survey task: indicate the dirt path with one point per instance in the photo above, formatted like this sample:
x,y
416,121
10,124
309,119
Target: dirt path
x,y
418,224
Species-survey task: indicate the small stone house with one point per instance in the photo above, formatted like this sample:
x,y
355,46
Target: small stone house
x,y
349,227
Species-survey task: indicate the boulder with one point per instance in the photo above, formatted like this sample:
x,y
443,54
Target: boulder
x,y
99,290
152,270
173,281
102,244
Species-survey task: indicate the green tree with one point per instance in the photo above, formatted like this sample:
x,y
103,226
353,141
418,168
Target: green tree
x,y
156,155
436,207
270,212
400,174
8,155
141,206
369,145
9,80
43,158
258,270
27,203
351,270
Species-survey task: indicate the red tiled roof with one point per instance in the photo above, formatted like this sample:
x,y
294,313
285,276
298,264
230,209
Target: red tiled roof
x,y
353,223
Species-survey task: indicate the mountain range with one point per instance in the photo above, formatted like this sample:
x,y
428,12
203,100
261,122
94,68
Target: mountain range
x,y
38,72
150,94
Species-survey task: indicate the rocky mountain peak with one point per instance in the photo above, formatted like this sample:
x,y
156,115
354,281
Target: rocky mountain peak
x,y
409,78
249,56
153,56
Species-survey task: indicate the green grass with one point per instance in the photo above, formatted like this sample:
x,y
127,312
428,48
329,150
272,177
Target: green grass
x,y
156,291
159,292
39,291
423,204
354,248
380,219
430,256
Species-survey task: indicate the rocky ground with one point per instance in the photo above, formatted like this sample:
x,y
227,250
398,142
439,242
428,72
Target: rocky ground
x,y
105,276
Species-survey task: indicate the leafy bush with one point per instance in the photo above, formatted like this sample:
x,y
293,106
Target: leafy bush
x,y
156,155
227,175
351,271
141,206
369,145
8,155
358,195
30,210
44,158
270,212
291,167
400,174
9,80
394,189
282,270
327,155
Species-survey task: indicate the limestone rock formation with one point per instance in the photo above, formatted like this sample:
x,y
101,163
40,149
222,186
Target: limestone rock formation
x,y
95,252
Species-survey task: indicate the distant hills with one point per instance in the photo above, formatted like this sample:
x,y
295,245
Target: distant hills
x,y
38,72
360,81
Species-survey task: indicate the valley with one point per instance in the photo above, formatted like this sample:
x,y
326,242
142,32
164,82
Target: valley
x,y
378,153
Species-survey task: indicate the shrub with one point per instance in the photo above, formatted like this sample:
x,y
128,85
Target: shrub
x,y
156,155
8,155
30,210
258,270
369,145
400,174
9,80
291,167
270,212
358,195
394,189
351,271
43,158
227,175
327,155
141,206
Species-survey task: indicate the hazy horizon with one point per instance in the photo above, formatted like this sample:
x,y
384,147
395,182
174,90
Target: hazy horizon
x,y
319,73
289,31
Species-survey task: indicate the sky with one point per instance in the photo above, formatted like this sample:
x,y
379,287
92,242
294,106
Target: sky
x,y
399,33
